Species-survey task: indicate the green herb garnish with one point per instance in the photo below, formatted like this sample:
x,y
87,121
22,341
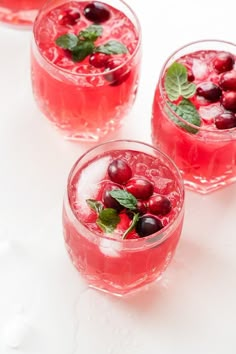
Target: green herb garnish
x,y
125,198
82,50
132,225
83,44
112,47
95,205
91,33
108,218
67,41
176,82
187,111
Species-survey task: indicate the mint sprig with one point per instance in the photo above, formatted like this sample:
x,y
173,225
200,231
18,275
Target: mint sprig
x,y
108,220
176,82
125,198
187,111
67,41
95,205
91,33
83,44
82,50
132,225
112,47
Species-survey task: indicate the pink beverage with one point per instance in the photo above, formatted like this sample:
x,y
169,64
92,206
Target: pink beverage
x,y
85,65
123,215
194,119
19,12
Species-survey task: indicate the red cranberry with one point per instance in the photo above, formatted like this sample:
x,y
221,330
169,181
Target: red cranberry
x,y
69,17
148,225
159,205
223,62
191,77
117,76
108,200
119,171
141,207
209,91
141,188
228,100
228,81
98,60
225,121
96,12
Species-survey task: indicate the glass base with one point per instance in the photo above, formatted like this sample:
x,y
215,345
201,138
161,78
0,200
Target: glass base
x,y
110,132
127,292
206,187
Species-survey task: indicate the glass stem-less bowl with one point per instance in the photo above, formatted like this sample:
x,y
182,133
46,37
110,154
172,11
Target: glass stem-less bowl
x,y
106,260
205,155
84,101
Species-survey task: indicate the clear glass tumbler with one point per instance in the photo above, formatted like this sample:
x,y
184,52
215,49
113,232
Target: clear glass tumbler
x,y
85,65
108,256
198,129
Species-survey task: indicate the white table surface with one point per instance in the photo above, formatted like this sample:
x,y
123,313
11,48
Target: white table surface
x,y
45,306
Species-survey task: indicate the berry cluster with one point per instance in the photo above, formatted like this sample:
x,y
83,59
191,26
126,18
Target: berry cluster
x,y
149,204
97,13
223,91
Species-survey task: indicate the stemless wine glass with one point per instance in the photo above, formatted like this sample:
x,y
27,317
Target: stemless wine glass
x,y
205,153
86,86
19,13
113,260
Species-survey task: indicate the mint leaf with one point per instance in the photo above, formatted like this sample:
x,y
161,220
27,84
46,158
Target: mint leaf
x,y
176,82
95,205
188,112
125,198
108,220
92,33
112,47
132,225
82,50
67,41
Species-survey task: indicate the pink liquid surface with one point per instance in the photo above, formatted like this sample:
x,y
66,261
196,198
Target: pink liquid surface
x,y
76,97
106,261
19,12
206,159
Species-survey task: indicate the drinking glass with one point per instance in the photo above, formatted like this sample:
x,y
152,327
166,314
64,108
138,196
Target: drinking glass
x,y
86,99
205,154
108,261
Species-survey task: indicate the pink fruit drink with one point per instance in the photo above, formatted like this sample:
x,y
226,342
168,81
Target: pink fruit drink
x,y
19,12
123,215
198,128
85,66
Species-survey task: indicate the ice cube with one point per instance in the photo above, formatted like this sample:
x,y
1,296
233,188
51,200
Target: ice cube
x,y
163,185
88,183
209,112
199,69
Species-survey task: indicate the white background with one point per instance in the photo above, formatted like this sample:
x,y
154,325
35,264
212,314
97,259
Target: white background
x,y
45,306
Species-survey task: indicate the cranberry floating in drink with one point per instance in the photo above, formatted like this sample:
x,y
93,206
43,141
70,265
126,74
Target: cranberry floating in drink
x,y
20,13
121,238
194,113
85,65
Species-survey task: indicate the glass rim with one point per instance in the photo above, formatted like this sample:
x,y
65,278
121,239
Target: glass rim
x,y
164,96
74,74
160,235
